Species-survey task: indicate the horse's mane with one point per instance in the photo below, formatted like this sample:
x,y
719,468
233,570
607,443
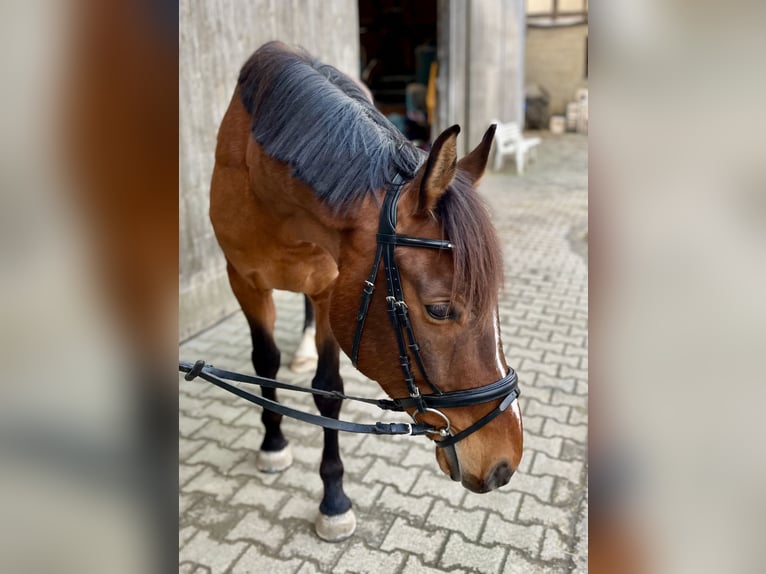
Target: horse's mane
x,y
318,121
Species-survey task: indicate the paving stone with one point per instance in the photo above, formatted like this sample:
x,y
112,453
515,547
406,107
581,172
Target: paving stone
x,y
187,568
246,467
554,382
554,546
254,527
521,536
226,413
308,567
300,506
438,486
209,515
572,341
304,545
552,428
568,372
578,416
362,495
573,450
187,447
552,346
254,494
192,406
559,413
382,471
561,359
218,556
459,520
254,562
539,486
567,493
220,458
536,512
185,534
532,424
302,479
364,560
570,470
573,400
502,500
186,472
519,563
462,553
188,425
211,482
415,566
550,446
426,544
224,435
403,504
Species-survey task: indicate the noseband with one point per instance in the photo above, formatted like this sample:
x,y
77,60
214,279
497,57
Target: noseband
x,y
398,312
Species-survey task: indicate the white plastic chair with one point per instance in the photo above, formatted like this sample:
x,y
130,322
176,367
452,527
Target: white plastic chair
x,y
509,140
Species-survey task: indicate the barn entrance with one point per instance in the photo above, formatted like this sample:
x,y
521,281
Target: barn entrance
x,y
398,52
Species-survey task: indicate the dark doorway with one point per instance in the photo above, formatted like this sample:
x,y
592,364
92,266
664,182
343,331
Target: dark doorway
x,y
397,46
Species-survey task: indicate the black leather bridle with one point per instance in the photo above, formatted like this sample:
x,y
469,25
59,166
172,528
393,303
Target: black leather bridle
x,y
505,389
398,312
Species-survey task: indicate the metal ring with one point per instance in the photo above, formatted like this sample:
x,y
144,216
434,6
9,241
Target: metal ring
x,y
443,431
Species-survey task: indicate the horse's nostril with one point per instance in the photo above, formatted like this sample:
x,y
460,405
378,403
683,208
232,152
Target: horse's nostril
x,y
499,475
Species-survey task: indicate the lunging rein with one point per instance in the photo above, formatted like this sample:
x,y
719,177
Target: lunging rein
x,y
387,240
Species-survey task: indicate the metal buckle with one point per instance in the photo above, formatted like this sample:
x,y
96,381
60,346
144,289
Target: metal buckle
x,y
409,429
441,432
369,285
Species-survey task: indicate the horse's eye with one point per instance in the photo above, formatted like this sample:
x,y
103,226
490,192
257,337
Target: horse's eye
x,y
441,312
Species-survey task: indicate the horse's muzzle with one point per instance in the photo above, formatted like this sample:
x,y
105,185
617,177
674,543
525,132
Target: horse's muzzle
x,y
495,478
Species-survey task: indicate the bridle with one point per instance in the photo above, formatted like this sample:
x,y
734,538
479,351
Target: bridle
x,y
398,312
505,389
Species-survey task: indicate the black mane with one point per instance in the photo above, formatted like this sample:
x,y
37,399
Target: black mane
x,y
318,120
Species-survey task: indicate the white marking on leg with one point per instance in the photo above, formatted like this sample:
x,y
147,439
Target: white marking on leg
x,y
306,356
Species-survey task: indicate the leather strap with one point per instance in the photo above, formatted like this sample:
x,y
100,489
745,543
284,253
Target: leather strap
x,y
407,241
199,369
469,397
491,415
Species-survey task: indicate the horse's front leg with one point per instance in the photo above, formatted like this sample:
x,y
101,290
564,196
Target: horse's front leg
x,y
336,520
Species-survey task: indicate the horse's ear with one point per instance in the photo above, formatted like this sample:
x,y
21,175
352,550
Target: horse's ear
x,y
475,162
437,173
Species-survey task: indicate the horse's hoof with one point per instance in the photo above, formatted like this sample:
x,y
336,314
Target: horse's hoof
x,y
336,528
304,364
274,460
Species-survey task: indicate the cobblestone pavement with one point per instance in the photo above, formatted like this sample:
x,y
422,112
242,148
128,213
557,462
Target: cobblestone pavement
x,y
412,518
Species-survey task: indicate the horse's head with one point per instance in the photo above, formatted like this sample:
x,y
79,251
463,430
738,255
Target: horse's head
x,y
451,299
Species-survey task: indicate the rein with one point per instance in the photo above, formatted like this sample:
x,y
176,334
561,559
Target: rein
x,y
219,378
387,239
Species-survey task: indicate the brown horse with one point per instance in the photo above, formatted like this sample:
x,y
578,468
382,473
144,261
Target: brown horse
x,y
303,163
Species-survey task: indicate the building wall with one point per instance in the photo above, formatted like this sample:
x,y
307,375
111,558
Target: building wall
x,y
555,60
216,37
481,74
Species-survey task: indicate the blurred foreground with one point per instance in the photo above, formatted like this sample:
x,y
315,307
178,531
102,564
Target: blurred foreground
x,y
88,276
